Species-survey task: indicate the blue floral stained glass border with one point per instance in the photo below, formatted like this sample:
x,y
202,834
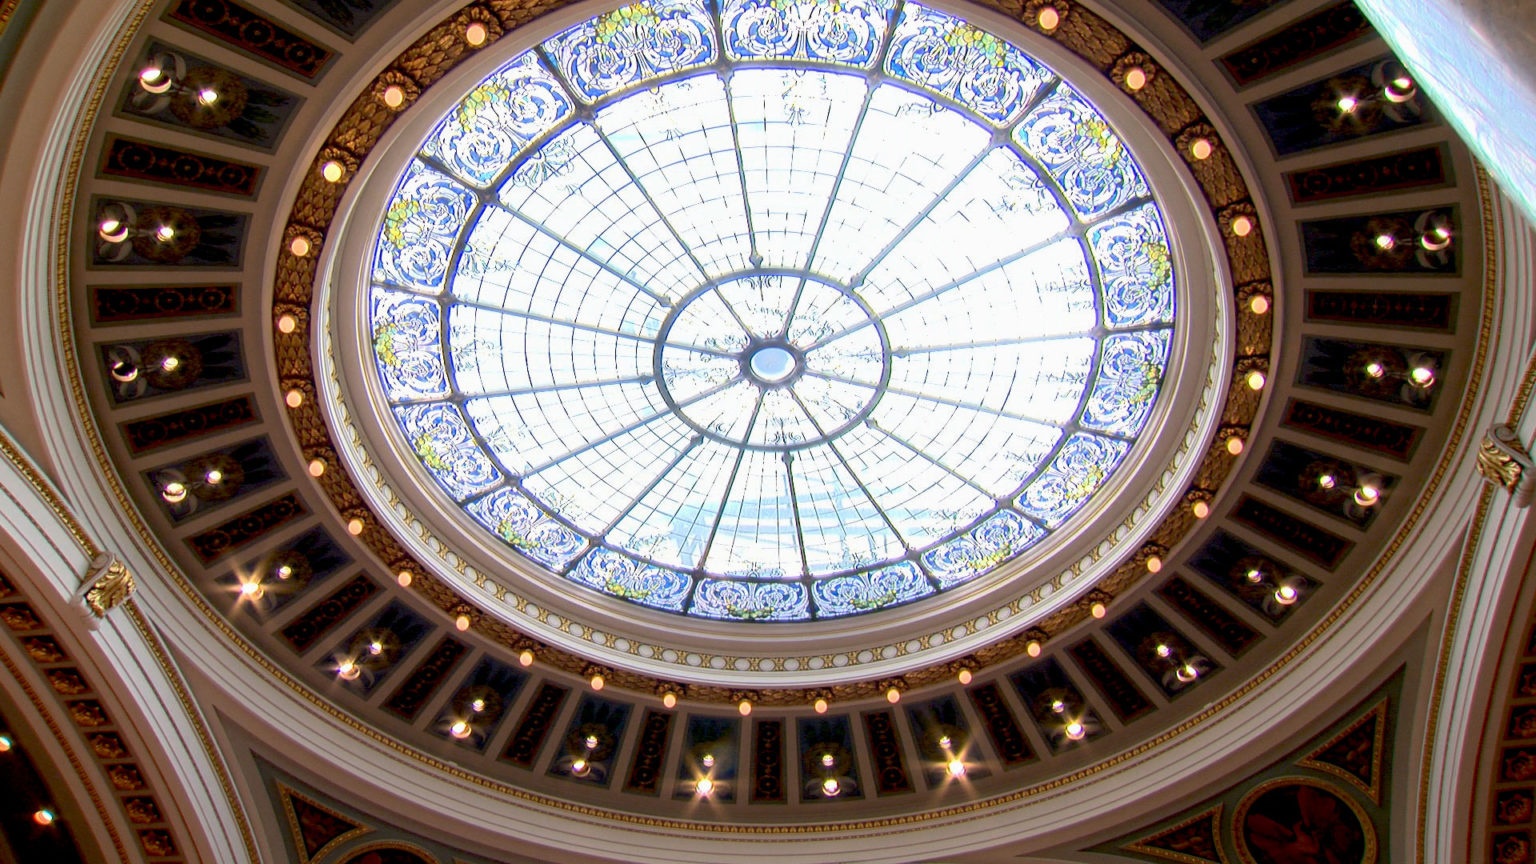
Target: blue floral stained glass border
x,y
512,135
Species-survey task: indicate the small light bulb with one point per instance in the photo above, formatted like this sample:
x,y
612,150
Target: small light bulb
x,y
394,96
403,578
1259,304
1049,18
707,760
44,816
109,228
828,760
1367,495
1200,509
475,34
1242,226
1187,673
332,171
1076,731
171,363
525,658
293,398
1235,445
124,371
1201,148
459,729
893,695
207,96
165,233
287,324
1254,575
1135,78
1326,481
597,682
214,477
744,707
1423,376
964,676
1385,242
1255,380
830,787
1164,651
1285,595
1154,564
6,743
1375,370
316,467
348,669
299,246
1058,706
251,588
820,706
1098,610
151,75
945,742
956,768
354,527
174,492
1033,648
579,766
477,706
704,786
669,700
590,742
1347,103
375,647
284,571
461,623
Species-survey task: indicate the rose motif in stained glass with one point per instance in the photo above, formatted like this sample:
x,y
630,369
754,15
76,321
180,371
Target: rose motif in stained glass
x,y
812,308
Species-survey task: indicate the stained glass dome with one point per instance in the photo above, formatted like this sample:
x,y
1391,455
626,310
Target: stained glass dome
x,y
771,310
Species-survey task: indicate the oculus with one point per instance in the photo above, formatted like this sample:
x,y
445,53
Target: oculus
x,y
771,311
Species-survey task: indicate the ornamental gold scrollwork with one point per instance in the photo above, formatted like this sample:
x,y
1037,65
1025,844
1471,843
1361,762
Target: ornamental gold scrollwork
x,y
110,584
1502,459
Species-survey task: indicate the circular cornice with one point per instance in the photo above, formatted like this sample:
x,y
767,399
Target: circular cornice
x,y
980,624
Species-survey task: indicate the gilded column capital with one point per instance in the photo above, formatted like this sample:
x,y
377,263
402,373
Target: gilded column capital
x,y
1502,459
110,583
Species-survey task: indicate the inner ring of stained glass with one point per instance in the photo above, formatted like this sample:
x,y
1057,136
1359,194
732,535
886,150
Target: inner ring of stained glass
x,y
771,310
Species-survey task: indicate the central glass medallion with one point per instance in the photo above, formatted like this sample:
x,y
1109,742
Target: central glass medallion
x,y
771,311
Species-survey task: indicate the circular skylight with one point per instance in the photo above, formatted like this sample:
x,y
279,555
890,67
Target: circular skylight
x,y
798,310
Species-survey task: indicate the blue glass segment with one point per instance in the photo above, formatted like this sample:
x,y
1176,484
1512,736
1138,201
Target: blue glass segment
x,y
847,32
441,440
751,601
500,116
1136,266
960,61
633,44
1085,156
1130,375
407,344
1077,472
978,551
622,576
424,218
772,310
870,590
520,524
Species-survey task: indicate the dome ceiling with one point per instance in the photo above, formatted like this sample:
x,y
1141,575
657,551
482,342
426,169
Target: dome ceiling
x,y
1320,324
